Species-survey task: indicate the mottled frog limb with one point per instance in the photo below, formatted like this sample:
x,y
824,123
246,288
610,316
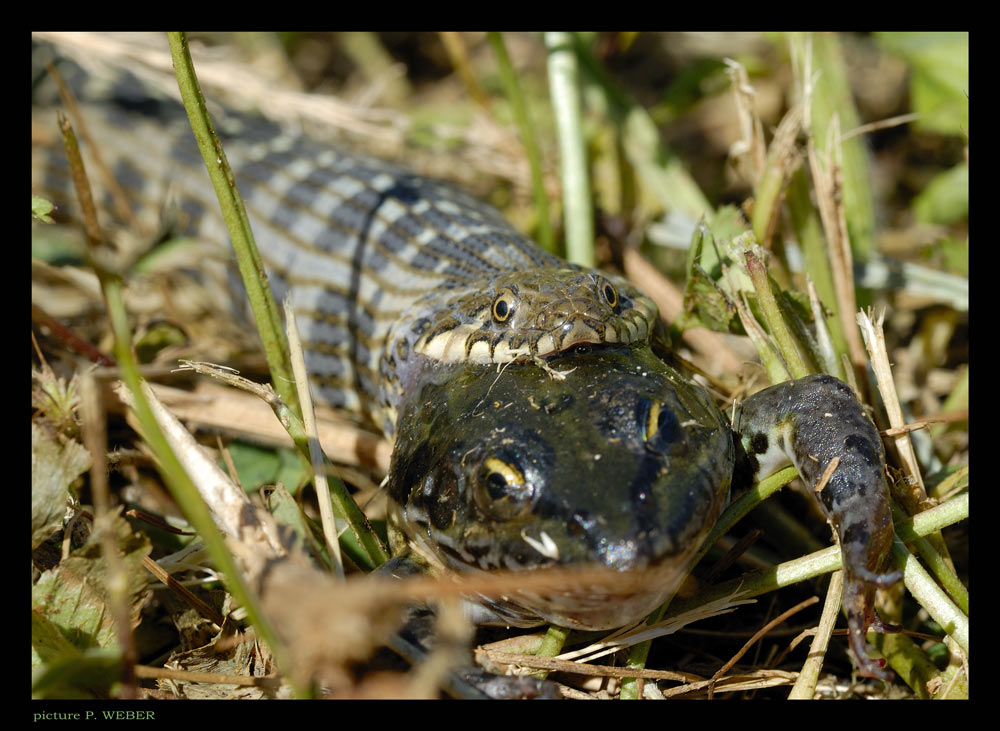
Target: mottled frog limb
x,y
810,422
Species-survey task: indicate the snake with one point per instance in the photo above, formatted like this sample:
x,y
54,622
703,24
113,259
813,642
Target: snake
x,y
533,423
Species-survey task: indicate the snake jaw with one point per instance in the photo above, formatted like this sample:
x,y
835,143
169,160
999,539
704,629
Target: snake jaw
x,y
520,315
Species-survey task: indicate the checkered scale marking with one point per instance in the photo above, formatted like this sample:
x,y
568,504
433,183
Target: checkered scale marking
x,y
383,267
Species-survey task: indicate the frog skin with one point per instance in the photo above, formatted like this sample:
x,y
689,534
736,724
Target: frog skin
x,y
609,457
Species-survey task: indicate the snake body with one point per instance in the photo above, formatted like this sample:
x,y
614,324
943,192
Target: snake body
x,y
380,264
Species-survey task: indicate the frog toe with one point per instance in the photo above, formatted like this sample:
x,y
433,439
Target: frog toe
x,y
859,601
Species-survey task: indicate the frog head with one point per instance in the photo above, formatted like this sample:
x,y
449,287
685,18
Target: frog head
x,y
616,462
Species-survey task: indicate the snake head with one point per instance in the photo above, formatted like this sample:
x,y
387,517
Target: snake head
x,y
523,315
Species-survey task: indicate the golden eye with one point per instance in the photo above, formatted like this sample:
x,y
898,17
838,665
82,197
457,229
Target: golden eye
x,y
658,426
503,492
651,422
503,305
499,476
609,293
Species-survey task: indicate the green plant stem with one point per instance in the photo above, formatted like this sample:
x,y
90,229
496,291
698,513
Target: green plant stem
x,y
832,97
262,302
809,232
552,645
178,482
772,315
931,597
912,531
578,214
739,508
529,139
906,658
767,200
251,266
805,684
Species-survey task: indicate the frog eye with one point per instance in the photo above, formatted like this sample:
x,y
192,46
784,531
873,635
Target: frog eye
x,y
503,305
658,424
502,491
608,292
649,413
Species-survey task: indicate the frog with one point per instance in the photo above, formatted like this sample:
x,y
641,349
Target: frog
x,y
624,463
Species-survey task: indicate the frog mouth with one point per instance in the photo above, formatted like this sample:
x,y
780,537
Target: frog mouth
x,y
604,597
623,599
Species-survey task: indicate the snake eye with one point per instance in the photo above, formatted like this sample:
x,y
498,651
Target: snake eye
x,y
503,305
609,293
502,491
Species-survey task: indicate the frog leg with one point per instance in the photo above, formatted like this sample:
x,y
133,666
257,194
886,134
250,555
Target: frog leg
x,y
809,422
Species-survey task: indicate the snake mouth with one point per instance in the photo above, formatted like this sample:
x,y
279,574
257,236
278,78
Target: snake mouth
x,y
579,329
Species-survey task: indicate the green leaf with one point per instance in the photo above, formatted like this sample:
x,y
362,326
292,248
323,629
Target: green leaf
x,y
939,77
291,471
257,466
946,199
41,208
58,246
707,293
55,465
955,255
73,596
70,674
155,338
